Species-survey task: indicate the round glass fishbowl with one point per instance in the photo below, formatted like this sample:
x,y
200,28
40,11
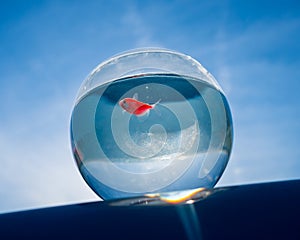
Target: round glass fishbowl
x,y
150,121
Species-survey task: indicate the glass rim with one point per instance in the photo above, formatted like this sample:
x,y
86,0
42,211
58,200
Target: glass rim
x,y
206,75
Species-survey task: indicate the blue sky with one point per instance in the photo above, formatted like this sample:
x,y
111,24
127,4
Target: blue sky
x,y
48,47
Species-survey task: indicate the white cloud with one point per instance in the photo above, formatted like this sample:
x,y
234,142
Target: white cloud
x,y
266,130
37,166
261,82
135,25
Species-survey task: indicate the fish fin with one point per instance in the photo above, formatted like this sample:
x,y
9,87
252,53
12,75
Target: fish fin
x,y
157,111
143,117
155,108
135,96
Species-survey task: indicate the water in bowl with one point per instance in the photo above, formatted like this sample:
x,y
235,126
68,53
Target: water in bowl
x,y
183,141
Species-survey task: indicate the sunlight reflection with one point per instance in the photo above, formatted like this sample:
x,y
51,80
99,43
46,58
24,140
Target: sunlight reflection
x,y
170,198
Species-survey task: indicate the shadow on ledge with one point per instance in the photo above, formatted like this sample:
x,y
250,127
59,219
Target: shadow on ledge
x,y
257,211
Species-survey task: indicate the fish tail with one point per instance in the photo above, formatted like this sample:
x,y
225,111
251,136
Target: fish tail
x,y
153,105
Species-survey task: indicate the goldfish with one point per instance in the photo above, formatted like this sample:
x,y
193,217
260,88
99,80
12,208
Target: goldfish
x,y
133,106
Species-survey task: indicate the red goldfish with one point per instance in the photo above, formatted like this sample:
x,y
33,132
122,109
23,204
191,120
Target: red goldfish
x,y
133,106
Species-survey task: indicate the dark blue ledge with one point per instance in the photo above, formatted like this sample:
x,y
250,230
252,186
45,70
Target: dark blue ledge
x,y
257,211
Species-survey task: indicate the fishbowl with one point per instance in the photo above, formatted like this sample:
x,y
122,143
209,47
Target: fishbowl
x,y
150,121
